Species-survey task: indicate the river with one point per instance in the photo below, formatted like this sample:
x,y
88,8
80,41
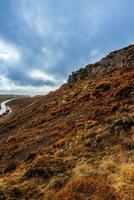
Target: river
x,y
4,108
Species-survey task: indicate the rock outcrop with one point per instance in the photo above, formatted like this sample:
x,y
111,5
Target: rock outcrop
x,y
115,60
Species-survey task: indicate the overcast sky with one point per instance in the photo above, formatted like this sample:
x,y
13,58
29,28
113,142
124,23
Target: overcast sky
x,y
43,41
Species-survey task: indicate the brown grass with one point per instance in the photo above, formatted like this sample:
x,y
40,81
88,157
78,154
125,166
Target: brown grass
x,y
123,181
88,188
74,143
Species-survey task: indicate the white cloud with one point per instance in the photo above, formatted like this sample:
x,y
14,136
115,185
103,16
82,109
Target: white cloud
x,y
49,57
40,75
8,53
34,15
8,86
5,84
45,24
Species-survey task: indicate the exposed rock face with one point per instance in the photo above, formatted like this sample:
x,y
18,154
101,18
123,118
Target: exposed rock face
x,y
115,60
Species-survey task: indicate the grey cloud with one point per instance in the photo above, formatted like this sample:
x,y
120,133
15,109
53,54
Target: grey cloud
x,y
58,37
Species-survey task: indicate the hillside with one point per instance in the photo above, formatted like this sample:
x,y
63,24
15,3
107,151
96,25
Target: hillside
x,y
76,142
6,97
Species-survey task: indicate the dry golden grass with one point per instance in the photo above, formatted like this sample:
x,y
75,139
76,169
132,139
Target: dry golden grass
x,y
123,181
121,177
108,165
74,143
96,188
83,169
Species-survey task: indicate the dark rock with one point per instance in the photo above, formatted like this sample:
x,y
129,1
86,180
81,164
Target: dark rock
x,y
124,92
125,123
104,87
121,124
115,60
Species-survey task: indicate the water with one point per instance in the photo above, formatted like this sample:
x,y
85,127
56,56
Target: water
x,y
5,109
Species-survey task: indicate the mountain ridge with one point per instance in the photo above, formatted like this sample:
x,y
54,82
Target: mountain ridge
x,y
106,65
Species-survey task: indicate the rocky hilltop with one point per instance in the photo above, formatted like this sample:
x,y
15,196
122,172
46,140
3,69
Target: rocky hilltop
x,y
76,142
114,61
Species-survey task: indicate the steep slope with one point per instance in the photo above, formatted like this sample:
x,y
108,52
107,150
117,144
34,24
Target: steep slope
x,y
76,142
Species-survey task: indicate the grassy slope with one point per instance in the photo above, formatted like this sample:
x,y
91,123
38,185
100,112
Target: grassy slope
x,y
74,143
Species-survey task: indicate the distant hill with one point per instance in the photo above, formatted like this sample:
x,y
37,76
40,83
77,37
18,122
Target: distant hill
x,y
76,142
6,97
